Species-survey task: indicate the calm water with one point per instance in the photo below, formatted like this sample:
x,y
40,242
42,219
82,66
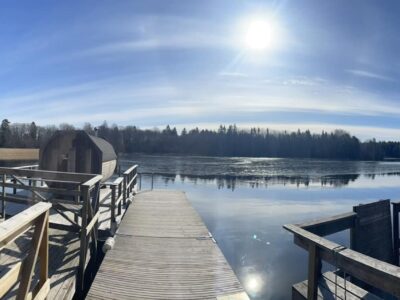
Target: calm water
x,y
244,203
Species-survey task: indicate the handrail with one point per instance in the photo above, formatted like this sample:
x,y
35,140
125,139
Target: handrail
x,y
131,169
22,271
330,225
29,167
45,174
372,271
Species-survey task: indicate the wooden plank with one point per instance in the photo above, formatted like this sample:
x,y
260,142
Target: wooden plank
x,y
28,266
92,181
331,286
314,271
163,250
68,176
14,226
8,280
330,225
396,241
19,154
372,233
127,172
43,189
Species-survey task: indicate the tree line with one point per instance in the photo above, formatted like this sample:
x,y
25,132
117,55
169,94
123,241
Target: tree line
x,y
225,141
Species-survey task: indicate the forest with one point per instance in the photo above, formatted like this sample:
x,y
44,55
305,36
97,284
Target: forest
x,y
225,141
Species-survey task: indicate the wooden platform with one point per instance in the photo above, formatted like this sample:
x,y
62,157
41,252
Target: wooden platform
x,y
163,250
331,286
63,250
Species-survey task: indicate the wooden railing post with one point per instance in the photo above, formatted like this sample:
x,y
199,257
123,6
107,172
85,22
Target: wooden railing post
x,y
125,192
29,265
314,271
14,181
83,240
44,254
3,200
119,195
396,210
33,191
113,199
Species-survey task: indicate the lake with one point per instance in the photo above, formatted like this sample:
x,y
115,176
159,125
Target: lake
x,y
245,201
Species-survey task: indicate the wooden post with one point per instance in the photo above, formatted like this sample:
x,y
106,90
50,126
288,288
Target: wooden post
x,y
44,253
28,267
33,191
83,243
14,181
113,220
3,200
314,271
152,180
119,195
140,182
396,209
125,192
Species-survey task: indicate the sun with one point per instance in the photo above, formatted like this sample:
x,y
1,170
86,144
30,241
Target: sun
x,y
261,34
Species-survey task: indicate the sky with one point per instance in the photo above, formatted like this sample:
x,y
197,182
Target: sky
x,y
278,64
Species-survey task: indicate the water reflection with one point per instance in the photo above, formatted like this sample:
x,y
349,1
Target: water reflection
x,y
231,182
254,283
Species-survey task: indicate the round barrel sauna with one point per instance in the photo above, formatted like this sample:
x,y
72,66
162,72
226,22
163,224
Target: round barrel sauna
x,y
78,152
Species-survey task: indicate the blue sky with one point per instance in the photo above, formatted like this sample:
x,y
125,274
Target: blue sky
x,y
330,64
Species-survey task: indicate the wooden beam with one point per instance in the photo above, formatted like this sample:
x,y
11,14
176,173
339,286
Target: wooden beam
x,y
42,189
396,244
3,201
330,225
44,255
14,226
314,271
69,176
133,168
8,280
28,266
83,240
42,293
69,228
92,222
92,181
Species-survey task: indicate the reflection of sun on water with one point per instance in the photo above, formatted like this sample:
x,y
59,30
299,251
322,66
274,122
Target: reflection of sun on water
x,y
254,284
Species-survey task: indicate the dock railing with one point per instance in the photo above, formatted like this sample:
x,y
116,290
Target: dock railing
x,y
374,272
22,271
121,190
74,196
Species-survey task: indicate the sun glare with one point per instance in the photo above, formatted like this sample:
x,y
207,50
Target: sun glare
x,y
261,35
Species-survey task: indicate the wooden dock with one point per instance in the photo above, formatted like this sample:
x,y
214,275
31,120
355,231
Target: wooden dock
x,y
163,250
71,221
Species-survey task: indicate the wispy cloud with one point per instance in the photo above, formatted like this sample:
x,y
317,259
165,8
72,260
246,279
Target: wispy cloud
x,y
119,100
370,75
232,74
